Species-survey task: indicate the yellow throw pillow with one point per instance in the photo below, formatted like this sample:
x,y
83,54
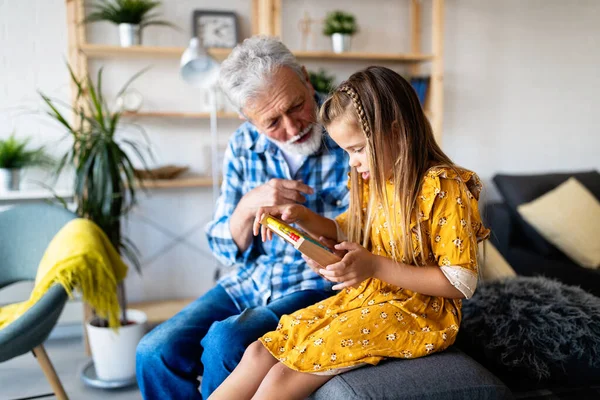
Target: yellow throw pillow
x,y
493,266
569,218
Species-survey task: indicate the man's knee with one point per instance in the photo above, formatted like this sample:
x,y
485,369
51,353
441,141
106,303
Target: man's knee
x,y
146,353
155,349
227,340
222,343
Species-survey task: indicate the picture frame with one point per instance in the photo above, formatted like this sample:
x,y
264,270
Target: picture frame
x,y
216,28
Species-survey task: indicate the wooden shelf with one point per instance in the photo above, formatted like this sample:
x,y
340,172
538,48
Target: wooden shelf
x,y
103,51
186,182
160,311
169,114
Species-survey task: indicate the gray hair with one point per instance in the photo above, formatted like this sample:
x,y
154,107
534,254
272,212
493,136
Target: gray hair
x,y
247,70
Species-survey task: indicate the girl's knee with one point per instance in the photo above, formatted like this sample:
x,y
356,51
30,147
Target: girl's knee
x,y
256,351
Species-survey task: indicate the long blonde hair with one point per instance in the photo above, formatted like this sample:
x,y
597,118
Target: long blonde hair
x,y
387,109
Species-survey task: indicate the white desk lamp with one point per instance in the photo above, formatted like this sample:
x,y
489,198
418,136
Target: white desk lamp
x,y
200,70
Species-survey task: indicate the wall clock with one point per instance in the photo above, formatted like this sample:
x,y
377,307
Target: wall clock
x,y
216,28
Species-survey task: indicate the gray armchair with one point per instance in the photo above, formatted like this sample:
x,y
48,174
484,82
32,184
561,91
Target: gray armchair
x,y
25,232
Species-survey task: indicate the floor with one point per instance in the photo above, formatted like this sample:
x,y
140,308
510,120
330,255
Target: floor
x,y
22,378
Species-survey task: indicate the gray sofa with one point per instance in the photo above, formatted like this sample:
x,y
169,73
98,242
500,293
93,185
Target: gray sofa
x,y
443,376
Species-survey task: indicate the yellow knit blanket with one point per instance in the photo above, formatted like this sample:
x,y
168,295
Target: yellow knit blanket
x,y
81,257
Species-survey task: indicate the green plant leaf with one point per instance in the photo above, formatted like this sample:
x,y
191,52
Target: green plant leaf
x,y
136,12
15,155
339,22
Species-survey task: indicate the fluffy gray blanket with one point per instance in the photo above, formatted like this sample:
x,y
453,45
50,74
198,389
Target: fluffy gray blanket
x,y
533,326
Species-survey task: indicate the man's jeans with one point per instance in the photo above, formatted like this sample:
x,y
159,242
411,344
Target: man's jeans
x,y
206,338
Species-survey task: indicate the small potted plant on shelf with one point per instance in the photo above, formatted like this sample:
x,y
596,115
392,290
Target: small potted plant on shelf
x,y
340,26
105,191
14,156
321,81
132,16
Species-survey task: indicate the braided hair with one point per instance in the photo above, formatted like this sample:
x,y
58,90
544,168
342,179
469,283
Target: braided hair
x,y
360,111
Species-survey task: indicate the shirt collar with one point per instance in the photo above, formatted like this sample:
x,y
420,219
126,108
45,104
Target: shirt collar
x,y
261,142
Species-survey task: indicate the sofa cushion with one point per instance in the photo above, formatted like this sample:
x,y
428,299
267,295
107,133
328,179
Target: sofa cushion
x,y
534,330
492,265
519,189
444,376
569,218
529,263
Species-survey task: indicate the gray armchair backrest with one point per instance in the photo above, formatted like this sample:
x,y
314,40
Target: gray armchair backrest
x,y
25,232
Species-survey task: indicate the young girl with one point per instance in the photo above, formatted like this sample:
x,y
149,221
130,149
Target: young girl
x,y
409,243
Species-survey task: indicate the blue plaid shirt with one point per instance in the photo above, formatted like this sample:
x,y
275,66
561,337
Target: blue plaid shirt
x,y
270,270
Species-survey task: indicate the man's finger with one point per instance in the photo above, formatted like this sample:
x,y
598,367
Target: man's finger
x,y
297,185
263,233
255,226
292,196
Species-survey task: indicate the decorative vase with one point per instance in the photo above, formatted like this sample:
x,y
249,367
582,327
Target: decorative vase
x,y
130,35
10,179
113,351
341,42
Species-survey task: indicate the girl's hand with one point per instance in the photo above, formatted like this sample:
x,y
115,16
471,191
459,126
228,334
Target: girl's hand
x,y
289,213
330,244
357,265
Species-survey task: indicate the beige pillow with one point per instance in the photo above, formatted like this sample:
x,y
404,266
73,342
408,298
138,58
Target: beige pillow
x,y
493,266
569,218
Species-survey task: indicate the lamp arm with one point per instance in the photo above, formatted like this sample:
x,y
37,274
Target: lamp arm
x,y
214,144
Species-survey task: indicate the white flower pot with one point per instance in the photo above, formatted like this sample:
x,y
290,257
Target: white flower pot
x,y
10,179
114,352
130,35
341,42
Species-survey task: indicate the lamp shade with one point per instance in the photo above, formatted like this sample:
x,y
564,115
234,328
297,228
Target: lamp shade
x,y
197,67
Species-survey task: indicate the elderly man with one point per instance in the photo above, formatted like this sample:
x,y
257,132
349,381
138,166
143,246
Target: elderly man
x,y
280,155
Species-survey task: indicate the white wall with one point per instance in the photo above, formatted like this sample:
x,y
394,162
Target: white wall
x,y
520,84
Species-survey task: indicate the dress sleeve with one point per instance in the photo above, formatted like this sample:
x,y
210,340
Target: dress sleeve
x,y
456,228
341,225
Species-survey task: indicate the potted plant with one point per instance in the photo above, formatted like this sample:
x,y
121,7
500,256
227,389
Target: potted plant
x,y
132,16
105,191
340,26
14,156
321,81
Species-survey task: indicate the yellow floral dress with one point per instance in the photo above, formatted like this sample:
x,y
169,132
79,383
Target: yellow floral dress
x,y
376,320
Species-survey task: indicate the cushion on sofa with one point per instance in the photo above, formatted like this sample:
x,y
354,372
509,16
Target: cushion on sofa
x,y
529,263
569,218
445,376
531,330
519,189
491,263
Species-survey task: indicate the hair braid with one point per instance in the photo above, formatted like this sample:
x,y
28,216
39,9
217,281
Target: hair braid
x,y
349,90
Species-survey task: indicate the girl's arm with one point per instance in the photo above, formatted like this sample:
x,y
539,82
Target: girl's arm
x,y
316,225
359,264
428,280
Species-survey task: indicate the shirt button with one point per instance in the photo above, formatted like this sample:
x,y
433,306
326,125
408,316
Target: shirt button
x,y
338,203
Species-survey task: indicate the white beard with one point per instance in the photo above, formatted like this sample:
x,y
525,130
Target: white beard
x,y
307,148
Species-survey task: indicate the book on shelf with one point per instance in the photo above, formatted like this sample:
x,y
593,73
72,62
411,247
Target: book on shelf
x,y
420,84
300,240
